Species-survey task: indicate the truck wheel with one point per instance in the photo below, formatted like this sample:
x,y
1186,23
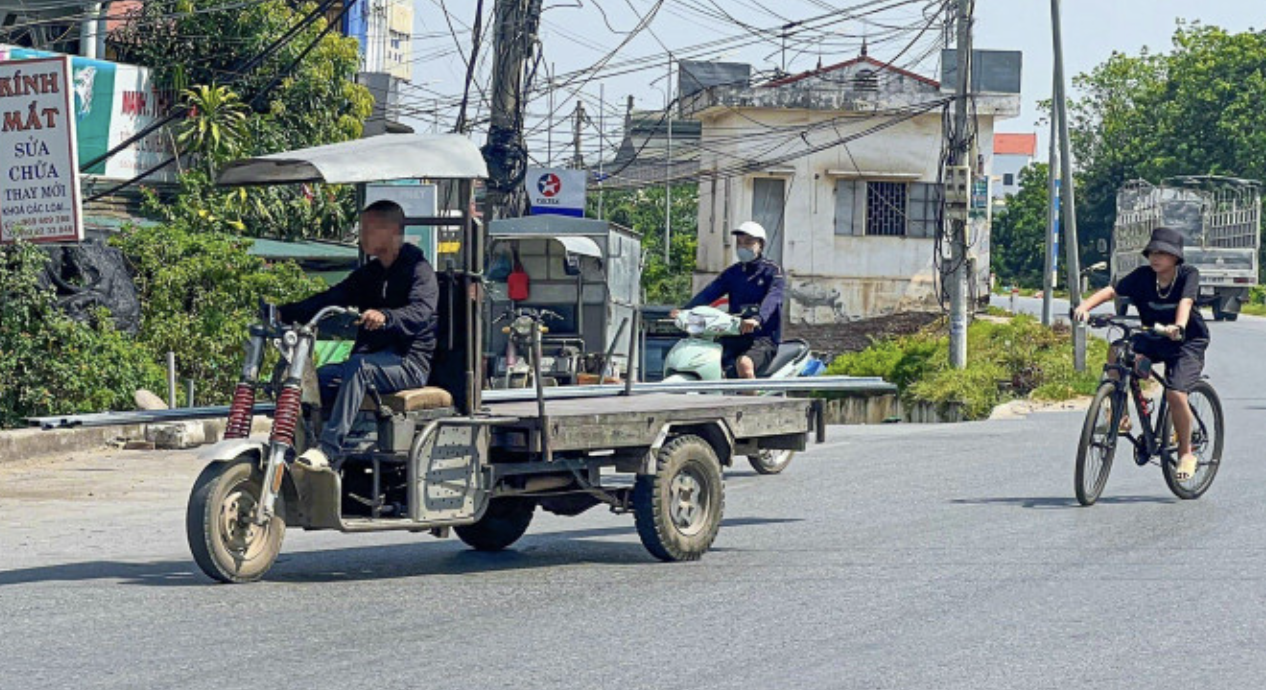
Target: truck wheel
x,y
219,523
771,461
504,521
678,509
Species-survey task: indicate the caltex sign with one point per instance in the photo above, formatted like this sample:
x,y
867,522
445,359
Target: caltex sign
x,y
556,190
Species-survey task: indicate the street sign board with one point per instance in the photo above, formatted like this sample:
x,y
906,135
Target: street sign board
x,y
560,191
39,161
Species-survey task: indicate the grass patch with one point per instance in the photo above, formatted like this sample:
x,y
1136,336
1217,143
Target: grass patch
x,y
1007,360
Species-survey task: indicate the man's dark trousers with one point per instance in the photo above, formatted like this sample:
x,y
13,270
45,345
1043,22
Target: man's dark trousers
x,y
349,382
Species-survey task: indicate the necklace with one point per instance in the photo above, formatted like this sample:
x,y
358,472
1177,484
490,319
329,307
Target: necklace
x,y
1165,294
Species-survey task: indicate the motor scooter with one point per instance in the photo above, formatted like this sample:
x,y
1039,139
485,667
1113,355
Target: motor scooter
x,y
697,357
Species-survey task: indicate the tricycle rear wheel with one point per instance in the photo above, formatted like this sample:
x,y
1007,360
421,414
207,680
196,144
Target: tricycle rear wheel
x,y
504,521
219,523
769,461
678,509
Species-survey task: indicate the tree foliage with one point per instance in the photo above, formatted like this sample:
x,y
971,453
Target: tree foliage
x,y
199,292
642,210
1200,109
50,364
202,48
1017,239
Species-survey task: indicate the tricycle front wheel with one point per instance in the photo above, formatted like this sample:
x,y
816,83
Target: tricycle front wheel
x,y
225,541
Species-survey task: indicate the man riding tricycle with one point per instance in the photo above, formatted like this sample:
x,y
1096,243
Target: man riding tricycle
x,y
398,437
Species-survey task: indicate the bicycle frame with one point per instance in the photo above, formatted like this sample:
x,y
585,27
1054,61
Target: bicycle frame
x,y
1148,444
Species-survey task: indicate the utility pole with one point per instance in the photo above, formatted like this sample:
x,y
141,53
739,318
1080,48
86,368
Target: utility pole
x,y
514,34
578,158
602,146
549,125
1052,217
962,179
668,167
1067,198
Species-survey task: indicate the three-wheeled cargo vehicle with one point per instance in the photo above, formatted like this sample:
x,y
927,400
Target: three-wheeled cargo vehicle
x,y
440,458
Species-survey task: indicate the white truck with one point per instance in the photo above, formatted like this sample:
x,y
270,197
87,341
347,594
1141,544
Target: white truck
x,y
1220,219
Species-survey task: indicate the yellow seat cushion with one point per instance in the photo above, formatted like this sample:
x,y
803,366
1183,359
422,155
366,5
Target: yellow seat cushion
x,y
412,400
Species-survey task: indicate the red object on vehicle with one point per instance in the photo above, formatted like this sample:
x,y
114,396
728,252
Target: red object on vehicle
x,y
517,283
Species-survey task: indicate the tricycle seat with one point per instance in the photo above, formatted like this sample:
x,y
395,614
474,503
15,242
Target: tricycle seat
x,y
411,400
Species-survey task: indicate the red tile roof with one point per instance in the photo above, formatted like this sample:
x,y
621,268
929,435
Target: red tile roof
x,y
1015,144
865,58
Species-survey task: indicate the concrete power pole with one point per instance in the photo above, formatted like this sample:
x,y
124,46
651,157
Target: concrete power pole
x,y
668,168
1067,198
514,34
961,179
1052,220
578,159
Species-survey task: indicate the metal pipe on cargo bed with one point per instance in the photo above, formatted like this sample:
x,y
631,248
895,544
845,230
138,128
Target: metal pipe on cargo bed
x,y
634,370
808,384
607,369
546,451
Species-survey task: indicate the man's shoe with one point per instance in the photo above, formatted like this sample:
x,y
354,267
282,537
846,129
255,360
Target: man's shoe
x,y
314,459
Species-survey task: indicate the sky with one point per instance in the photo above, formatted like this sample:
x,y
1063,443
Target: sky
x,y
576,34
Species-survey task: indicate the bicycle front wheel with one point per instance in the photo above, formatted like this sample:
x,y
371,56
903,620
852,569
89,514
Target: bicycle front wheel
x,y
1098,443
1206,443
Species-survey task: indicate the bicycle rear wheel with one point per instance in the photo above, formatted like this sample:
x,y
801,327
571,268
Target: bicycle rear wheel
x,y
1206,443
1098,444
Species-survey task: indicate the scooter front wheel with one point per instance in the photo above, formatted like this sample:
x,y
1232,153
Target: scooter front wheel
x,y
220,523
771,461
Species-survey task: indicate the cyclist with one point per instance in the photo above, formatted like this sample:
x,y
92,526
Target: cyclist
x,y
1164,292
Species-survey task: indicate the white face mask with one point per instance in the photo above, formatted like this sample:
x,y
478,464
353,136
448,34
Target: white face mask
x,y
747,255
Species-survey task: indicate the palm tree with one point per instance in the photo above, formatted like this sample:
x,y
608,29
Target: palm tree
x,y
215,130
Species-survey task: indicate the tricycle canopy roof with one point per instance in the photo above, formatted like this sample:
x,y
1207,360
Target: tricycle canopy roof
x,y
572,243
384,157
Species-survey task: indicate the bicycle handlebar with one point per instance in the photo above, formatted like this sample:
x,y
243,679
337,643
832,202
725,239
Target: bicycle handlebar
x,y
1130,326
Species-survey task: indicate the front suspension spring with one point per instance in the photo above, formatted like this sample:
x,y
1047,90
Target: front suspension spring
x,y
286,418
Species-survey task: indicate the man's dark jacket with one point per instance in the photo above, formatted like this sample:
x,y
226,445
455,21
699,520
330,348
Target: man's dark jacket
x,y
407,294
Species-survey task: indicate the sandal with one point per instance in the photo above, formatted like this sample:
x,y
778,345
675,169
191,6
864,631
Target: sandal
x,y
1186,467
1126,425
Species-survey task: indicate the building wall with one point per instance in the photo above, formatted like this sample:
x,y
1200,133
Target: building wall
x,y
830,277
1008,164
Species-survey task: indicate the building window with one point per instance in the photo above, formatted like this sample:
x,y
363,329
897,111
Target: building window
x,y
886,208
769,198
891,209
924,210
1008,179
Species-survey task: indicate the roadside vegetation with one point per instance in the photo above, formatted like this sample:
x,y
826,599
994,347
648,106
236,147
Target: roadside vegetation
x,y
1009,357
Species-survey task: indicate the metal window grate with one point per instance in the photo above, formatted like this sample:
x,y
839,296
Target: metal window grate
x,y
886,208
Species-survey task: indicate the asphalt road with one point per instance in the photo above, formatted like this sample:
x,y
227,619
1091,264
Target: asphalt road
x,y
900,556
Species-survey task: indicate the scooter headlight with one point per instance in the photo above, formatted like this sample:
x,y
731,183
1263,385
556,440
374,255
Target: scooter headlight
x,y
290,338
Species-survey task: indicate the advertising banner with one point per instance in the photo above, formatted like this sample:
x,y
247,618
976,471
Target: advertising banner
x,y
39,160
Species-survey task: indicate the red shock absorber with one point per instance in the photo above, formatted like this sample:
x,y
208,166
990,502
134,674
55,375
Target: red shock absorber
x,y
286,418
239,424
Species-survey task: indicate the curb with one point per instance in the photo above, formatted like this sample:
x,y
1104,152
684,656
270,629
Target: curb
x,y
23,444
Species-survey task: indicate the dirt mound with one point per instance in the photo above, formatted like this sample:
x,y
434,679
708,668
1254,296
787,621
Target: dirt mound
x,y
835,338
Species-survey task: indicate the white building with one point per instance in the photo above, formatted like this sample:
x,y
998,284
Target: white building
x,y
842,166
1011,154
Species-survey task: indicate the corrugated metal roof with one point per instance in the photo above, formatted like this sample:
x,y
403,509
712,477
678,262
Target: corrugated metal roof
x,y
304,250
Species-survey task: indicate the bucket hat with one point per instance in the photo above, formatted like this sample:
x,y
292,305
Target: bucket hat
x,y
1165,239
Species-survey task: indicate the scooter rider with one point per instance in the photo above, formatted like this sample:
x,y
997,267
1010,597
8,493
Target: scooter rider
x,y
753,282
396,293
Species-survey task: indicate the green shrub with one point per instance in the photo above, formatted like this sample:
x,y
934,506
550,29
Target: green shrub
x,y
199,293
1015,358
52,365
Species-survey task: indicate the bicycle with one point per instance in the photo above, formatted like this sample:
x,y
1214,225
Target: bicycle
x,y
1157,441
